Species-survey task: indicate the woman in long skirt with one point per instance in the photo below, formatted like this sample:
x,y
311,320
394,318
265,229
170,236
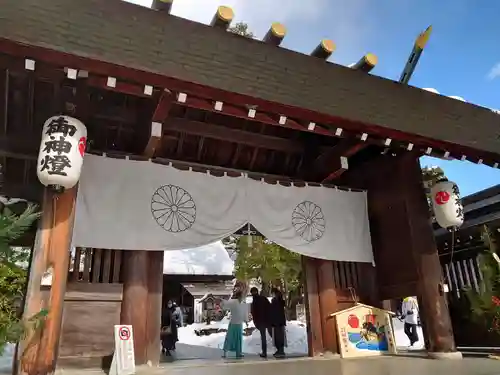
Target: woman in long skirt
x,y
239,314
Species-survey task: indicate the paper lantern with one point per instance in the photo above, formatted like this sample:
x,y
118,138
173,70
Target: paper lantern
x,y
61,152
447,205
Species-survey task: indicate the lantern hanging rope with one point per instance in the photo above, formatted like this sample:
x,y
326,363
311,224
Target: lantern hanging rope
x,y
452,250
354,296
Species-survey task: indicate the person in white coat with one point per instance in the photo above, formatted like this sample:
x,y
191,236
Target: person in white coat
x,y
239,315
179,315
409,310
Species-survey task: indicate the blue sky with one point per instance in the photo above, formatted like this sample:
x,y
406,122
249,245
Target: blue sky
x,y
462,57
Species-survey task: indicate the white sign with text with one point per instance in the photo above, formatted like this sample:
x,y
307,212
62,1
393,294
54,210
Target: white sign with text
x,y
123,362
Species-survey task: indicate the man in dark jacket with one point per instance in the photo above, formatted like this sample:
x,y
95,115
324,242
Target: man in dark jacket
x,y
260,314
278,322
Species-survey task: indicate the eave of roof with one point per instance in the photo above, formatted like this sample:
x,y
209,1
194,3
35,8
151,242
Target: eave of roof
x,y
218,62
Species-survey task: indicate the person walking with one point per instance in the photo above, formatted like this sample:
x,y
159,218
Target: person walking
x,y
260,310
179,315
169,324
278,322
409,311
239,314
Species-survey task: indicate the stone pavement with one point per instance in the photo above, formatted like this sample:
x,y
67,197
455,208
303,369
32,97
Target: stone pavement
x,y
399,365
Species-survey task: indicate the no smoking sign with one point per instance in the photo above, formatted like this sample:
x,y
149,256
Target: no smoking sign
x,y
124,333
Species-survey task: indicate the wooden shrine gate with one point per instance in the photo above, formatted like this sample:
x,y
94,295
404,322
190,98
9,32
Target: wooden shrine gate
x,y
170,104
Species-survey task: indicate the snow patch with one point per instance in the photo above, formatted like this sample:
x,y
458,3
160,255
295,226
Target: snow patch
x,y
6,359
402,341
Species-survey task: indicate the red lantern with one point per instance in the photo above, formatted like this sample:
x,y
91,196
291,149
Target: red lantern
x,y
353,321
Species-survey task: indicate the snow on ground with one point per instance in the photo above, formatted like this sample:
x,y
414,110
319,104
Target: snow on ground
x,y
402,340
191,346
6,359
296,338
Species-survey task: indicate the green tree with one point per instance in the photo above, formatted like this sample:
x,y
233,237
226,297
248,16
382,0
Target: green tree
x,y
485,304
241,28
430,176
13,273
271,265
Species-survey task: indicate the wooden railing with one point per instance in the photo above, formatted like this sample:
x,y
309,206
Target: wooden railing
x,y
460,274
95,266
354,282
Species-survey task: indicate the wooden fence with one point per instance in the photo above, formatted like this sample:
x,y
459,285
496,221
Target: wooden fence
x,y
95,266
462,272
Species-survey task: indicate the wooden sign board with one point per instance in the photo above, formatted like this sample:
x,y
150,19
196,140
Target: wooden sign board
x,y
364,331
123,362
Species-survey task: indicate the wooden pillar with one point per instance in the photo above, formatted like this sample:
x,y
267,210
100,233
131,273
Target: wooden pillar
x,y
313,312
327,305
434,307
134,309
155,291
39,350
405,252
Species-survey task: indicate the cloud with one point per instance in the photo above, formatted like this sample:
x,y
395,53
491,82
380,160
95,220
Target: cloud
x,y
494,72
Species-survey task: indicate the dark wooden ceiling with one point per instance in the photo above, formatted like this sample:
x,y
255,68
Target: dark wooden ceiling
x,y
119,122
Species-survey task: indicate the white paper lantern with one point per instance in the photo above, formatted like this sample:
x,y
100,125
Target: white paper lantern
x,y
447,205
61,152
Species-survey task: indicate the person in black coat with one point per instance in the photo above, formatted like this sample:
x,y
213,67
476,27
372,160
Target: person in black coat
x,y
260,314
169,325
278,322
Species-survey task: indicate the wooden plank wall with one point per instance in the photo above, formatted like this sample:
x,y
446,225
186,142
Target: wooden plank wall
x,y
92,306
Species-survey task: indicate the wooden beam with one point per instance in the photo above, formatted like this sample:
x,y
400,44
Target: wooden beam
x,y
339,166
222,17
275,34
341,163
39,350
121,87
224,133
345,147
324,49
159,116
366,63
164,6
331,162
